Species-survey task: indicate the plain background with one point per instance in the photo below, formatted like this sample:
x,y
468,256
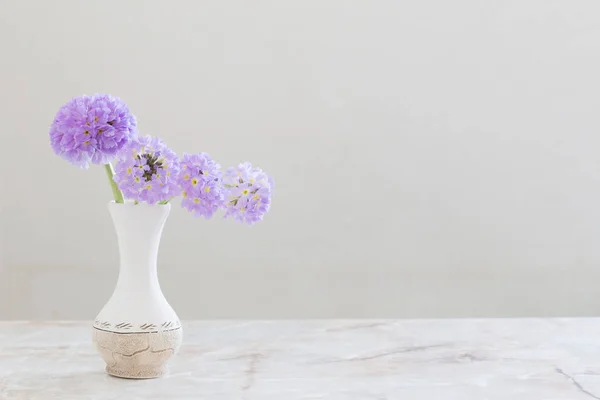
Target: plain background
x,y
432,158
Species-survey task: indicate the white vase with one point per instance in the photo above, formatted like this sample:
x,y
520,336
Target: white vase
x,y
137,331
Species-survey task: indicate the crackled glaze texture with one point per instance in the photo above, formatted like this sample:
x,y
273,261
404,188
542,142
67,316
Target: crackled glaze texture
x,y
137,355
491,359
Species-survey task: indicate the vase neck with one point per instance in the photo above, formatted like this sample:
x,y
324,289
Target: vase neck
x,y
139,228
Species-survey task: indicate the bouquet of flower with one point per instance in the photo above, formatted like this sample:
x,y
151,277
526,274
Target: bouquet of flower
x,y
100,129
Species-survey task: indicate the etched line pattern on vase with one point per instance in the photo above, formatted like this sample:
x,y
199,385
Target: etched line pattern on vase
x,y
145,327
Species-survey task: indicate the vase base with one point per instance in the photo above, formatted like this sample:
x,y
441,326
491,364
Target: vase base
x,y
137,373
139,355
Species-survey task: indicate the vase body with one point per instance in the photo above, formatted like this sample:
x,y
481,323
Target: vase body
x,y
137,331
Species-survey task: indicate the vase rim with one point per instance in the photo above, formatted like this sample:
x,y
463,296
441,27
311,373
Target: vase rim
x,y
127,203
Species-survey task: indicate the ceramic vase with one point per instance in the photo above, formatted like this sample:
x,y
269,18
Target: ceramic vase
x,y
137,332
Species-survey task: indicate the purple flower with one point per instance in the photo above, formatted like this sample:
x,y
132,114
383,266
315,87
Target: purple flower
x,y
92,129
147,171
200,183
248,193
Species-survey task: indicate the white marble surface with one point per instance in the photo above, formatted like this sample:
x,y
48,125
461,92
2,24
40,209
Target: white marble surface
x,y
490,359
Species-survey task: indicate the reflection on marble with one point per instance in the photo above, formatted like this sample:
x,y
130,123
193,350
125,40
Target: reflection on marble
x,y
491,359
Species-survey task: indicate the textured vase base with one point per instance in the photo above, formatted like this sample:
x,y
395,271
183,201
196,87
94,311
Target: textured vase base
x,y
140,355
132,373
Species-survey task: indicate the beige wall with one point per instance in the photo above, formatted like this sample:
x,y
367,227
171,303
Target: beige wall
x,y
432,158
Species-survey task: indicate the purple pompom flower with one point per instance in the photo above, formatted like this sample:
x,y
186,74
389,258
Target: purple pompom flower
x,y
200,181
147,171
248,195
92,129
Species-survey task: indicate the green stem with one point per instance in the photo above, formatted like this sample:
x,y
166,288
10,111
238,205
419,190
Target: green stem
x,y
117,194
165,201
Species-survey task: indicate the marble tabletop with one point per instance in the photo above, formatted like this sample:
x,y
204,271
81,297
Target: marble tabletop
x,y
448,359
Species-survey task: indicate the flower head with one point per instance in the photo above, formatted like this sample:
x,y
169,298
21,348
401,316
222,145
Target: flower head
x,y
200,181
248,196
92,129
147,171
